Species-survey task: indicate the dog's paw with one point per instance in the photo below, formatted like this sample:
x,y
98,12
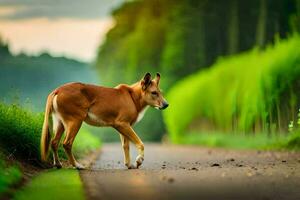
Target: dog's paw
x,y
130,166
79,166
58,165
139,161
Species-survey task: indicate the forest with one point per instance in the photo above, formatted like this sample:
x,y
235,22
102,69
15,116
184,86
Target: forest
x,y
181,38
178,38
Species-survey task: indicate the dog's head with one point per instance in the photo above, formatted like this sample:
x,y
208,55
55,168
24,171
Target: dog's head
x,y
151,93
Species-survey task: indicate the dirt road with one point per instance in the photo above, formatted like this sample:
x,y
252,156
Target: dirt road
x,y
180,172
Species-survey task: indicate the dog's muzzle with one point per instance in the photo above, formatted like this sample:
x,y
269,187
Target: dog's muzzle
x,y
164,106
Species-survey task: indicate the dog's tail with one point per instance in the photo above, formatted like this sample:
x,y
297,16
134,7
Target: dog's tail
x,y
45,138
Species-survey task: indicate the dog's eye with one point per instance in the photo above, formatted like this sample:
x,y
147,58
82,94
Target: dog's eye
x,y
154,93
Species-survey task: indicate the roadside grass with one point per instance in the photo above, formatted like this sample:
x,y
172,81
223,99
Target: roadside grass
x,y
255,91
54,184
292,142
10,175
20,132
260,141
85,142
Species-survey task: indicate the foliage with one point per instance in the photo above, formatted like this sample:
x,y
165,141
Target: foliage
x,y
255,91
54,184
20,132
213,139
9,175
180,37
293,141
85,142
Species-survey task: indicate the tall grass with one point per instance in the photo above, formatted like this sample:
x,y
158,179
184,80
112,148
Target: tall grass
x,y
20,132
252,92
9,175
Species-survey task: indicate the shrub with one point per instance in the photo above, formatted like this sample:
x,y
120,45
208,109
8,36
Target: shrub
x,y
20,132
250,92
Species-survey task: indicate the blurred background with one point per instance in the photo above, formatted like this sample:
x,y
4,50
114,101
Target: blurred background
x,y
230,68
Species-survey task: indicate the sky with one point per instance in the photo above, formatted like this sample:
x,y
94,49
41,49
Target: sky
x,y
71,28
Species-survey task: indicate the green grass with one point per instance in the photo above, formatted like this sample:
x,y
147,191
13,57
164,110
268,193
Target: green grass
x,y
20,132
10,174
253,92
261,141
85,142
236,141
54,184
292,141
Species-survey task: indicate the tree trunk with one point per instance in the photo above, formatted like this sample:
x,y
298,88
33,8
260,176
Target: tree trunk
x,y
233,28
261,24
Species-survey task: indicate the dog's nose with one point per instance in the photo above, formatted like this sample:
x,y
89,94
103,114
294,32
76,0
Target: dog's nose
x,y
165,105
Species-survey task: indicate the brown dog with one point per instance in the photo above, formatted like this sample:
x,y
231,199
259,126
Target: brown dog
x,y
118,107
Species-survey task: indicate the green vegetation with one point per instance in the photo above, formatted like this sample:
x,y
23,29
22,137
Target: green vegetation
x,y
251,93
292,142
237,141
180,37
54,184
85,142
20,132
10,174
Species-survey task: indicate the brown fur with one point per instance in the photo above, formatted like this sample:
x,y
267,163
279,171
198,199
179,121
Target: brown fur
x,y
119,107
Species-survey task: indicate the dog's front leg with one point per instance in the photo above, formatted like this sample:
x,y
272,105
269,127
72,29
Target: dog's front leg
x,y
126,130
126,148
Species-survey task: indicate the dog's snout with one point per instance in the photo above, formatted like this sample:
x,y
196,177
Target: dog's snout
x,y
165,105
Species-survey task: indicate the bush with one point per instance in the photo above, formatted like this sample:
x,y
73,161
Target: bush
x,y
20,132
251,92
9,175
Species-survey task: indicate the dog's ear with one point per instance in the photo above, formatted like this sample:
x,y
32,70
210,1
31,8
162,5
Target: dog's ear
x,y
146,81
157,78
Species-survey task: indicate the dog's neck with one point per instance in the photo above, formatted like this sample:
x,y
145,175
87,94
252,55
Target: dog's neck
x,y
136,94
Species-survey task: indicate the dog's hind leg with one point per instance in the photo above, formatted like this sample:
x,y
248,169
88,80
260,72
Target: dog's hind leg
x,y
58,130
72,128
126,149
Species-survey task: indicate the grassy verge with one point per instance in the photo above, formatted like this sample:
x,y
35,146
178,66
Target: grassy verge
x,y
10,175
292,141
260,141
250,93
85,142
54,184
227,140
20,132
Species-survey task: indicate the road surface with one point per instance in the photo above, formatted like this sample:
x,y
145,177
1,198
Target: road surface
x,y
185,172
